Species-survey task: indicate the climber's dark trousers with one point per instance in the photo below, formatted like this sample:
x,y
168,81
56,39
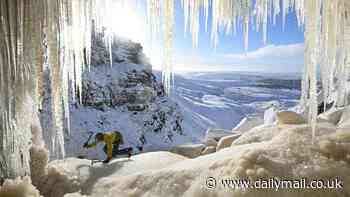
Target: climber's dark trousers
x,y
116,150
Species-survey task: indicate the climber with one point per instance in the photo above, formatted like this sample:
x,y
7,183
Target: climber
x,y
112,141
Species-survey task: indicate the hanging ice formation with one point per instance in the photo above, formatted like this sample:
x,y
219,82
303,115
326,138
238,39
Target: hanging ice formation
x,y
55,36
40,36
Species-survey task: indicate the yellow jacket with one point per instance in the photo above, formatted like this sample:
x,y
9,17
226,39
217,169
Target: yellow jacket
x,y
109,139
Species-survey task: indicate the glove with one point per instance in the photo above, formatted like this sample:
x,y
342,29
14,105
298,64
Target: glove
x,y
106,161
86,145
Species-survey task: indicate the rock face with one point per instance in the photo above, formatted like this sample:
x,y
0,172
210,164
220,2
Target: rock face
x,y
226,141
136,89
289,117
190,151
132,83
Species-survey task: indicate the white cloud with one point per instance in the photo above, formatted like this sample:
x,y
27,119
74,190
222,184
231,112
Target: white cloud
x,y
271,52
271,58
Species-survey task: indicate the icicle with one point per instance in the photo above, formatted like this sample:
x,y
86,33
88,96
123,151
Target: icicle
x,y
285,10
262,10
168,44
246,7
312,32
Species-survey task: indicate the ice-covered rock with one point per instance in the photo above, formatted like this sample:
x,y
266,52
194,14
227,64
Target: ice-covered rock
x,y
344,121
213,136
248,123
216,134
332,115
226,141
270,115
290,117
209,150
210,142
188,150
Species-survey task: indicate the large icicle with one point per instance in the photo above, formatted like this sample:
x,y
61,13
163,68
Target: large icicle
x,y
312,32
168,44
16,86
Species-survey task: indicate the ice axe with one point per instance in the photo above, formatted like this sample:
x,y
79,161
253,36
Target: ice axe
x,y
87,141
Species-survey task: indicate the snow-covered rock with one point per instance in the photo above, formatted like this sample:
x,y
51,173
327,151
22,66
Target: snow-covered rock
x,y
270,115
257,134
344,121
210,142
216,134
188,150
248,123
332,115
290,117
226,141
209,150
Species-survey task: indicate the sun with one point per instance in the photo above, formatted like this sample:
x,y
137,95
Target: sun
x,y
129,21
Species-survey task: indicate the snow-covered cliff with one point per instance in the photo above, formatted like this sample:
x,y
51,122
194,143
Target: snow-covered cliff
x,y
127,97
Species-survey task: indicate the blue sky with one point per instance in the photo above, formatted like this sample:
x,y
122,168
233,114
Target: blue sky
x,y
282,53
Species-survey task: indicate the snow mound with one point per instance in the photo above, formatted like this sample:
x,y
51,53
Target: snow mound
x,y
18,188
83,176
286,154
267,132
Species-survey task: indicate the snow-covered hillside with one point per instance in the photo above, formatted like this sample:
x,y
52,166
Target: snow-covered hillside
x,y
127,97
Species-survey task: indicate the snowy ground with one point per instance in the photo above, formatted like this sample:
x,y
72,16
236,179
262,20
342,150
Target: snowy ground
x,y
283,152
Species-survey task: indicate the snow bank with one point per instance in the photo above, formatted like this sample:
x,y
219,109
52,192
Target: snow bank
x,y
18,188
286,154
73,175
